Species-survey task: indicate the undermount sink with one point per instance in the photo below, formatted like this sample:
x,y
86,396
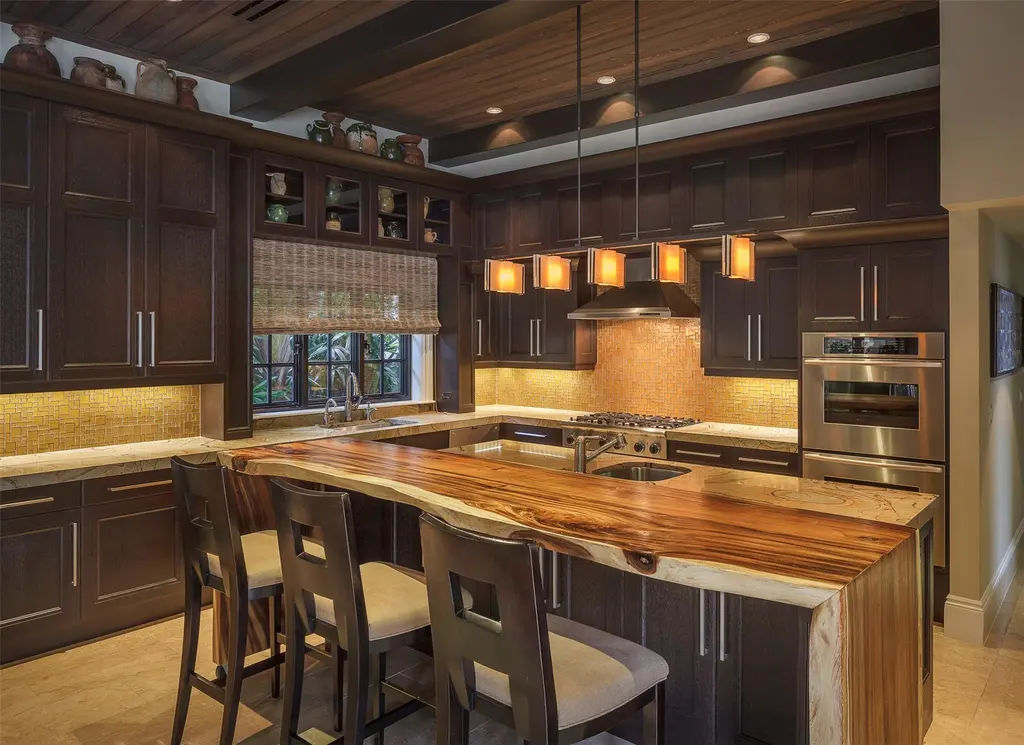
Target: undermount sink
x,y
364,426
642,471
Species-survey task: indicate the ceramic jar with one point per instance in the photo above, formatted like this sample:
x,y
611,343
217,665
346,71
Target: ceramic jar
x,y
386,199
277,213
114,81
429,235
278,185
31,54
394,229
319,132
333,220
89,71
426,207
186,98
391,150
411,152
155,81
335,118
362,138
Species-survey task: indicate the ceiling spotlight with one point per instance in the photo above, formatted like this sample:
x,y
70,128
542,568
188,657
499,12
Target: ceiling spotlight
x,y
606,80
494,109
759,38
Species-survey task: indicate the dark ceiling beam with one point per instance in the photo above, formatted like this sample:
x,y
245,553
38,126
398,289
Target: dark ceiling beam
x,y
902,44
409,35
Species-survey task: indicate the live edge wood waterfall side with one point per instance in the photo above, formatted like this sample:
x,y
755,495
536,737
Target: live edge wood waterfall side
x,y
859,577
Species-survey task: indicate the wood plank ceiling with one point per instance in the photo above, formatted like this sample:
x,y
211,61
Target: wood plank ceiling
x,y
220,39
532,69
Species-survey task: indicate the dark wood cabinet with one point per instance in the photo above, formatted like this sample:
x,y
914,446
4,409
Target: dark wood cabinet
x,y
835,184
23,181
340,206
706,201
518,314
743,459
590,222
530,433
441,228
531,213
493,224
905,167
751,326
661,193
97,246
396,212
764,187
486,343
285,193
834,289
186,246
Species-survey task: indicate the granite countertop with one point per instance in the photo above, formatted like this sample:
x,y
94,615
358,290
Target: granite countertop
x,y
87,463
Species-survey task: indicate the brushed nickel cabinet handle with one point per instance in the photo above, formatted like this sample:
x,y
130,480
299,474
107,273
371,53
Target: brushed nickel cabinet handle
x,y
763,461
479,337
538,435
39,330
152,338
701,455
539,352
26,503
862,294
132,487
748,337
874,289
702,642
531,338
138,316
722,654
74,554
758,337
556,599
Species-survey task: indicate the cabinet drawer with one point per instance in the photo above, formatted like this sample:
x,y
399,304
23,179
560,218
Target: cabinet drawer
x,y
35,500
115,488
531,433
425,440
699,452
766,461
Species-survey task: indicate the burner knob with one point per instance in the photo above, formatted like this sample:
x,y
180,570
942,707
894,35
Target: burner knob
x,y
655,448
638,446
570,439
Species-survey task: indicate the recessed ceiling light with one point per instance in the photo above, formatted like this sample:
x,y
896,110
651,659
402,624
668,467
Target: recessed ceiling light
x,y
759,38
606,80
494,109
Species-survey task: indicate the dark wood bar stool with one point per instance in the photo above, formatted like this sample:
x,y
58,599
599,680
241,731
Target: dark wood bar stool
x,y
365,610
552,680
243,567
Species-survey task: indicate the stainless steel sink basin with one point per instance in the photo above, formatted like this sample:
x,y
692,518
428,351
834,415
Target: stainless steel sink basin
x,y
365,426
642,471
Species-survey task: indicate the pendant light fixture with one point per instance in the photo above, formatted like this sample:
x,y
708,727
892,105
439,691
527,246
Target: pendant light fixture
x,y
552,272
668,263
738,257
504,276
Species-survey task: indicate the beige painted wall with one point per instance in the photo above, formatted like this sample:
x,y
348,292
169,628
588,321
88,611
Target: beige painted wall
x,y
981,72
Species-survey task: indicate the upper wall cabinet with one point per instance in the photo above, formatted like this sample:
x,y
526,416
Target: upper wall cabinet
x,y
286,197
835,187
706,200
396,213
493,224
589,223
23,239
764,187
531,218
905,168
342,207
660,193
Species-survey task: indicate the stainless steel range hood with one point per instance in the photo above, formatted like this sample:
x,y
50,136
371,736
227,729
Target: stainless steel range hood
x,y
641,297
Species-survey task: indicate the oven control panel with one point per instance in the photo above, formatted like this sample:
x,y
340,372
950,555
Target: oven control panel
x,y
637,443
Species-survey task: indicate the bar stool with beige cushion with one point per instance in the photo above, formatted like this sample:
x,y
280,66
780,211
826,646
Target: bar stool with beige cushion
x,y
243,567
552,680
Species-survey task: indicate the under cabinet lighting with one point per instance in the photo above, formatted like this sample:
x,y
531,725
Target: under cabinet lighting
x,y
552,272
504,276
668,263
738,257
606,267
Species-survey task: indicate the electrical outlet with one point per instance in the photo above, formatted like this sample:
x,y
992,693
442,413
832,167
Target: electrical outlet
x,y
446,395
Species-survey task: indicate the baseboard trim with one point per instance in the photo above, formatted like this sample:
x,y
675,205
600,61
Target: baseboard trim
x,y
971,620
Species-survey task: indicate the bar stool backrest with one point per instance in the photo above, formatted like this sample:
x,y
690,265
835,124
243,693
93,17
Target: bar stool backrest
x,y
517,645
208,525
335,575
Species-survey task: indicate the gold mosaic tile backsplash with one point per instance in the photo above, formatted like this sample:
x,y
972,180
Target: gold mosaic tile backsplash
x,y
44,422
646,367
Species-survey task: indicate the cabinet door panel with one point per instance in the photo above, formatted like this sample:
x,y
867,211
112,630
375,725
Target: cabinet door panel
x,y
778,291
728,335
519,314
707,203
657,215
591,218
766,186
22,239
492,214
911,286
556,337
905,168
485,322
834,289
530,221
834,179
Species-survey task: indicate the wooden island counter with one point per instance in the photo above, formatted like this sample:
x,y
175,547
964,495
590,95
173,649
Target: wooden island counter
x,y
859,581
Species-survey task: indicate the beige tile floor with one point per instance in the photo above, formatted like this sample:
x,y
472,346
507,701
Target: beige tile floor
x,y
120,691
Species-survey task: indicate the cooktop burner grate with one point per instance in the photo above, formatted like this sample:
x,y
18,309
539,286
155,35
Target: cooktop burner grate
x,y
625,420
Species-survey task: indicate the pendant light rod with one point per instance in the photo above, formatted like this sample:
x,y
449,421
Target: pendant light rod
x,y
636,118
579,125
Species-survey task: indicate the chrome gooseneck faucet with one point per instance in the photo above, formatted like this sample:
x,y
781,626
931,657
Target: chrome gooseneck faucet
x,y
351,391
327,412
582,457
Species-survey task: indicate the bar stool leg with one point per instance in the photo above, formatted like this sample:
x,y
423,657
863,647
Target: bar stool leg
x,y
237,625
275,644
358,677
452,720
189,647
378,672
337,673
294,663
654,718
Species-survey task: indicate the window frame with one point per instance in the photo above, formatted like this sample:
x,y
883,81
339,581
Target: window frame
x,y
300,364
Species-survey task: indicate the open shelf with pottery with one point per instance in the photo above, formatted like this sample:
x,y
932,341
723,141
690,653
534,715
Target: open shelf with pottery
x,y
393,213
437,221
343,199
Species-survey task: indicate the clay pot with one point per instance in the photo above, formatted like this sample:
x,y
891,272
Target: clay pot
x,y
391,150
333,220
429,235
362,138
385,199
411,152
114,81
394,229
335,119
319,132
155,81
31,54
186,97
278,185
277,213
89,71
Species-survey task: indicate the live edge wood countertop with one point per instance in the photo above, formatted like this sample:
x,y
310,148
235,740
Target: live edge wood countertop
x,y
860,577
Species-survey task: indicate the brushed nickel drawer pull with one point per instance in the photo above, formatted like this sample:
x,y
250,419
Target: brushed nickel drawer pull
x,y
479,337
748,337
763,461
74,554
139,316
874,290
700,455
39,351
703,641
722,654
131,487
862,270
538,435
152,338
26,502
556,590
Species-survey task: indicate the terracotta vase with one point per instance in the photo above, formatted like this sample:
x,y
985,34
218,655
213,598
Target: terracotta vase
x,y
114,81
89,71
362,138
335,119
155,81
186,97
411,152
31,54
429,235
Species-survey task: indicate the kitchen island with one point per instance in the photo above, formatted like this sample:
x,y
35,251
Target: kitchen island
x,y
858,581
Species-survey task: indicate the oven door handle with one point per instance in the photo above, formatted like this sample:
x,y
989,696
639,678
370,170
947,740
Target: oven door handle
x,y
818,361
873,462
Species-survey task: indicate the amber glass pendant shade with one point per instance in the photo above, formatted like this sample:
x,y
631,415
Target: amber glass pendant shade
x,y
504,276
668,263
738,257
606,267
552,272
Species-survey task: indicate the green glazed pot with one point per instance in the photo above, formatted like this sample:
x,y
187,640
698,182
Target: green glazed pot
x,y
320,132
391,150
333,195
277,213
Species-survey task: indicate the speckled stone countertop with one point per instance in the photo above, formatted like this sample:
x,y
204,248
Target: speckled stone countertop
x,y
869,503
89,463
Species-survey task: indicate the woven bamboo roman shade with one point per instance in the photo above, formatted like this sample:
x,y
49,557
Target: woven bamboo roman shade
x,y
301,288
